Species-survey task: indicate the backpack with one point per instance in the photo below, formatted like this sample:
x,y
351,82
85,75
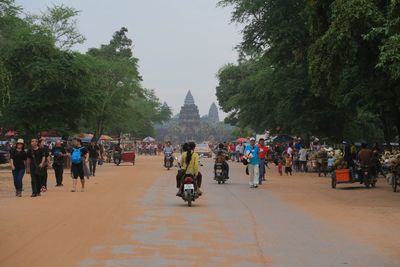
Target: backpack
x,y
76,156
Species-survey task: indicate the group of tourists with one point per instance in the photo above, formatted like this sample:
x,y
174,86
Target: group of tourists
x,y
36,160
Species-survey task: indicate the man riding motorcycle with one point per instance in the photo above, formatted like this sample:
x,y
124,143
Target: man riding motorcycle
x,y
168,152
222,156
365,158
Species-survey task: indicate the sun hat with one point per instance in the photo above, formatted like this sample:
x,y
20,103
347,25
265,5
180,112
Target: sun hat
x,y
20,141
252,139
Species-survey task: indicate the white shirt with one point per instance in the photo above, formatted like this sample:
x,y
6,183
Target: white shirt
x,y
290,151
303,154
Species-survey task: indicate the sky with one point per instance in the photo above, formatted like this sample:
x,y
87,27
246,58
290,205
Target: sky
x,y
181,44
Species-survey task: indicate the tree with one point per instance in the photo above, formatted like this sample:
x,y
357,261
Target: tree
x,y
61,21
305,64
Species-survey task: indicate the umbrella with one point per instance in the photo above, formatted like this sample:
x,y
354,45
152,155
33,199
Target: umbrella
x,y
149,139
10,134
241,140
105,138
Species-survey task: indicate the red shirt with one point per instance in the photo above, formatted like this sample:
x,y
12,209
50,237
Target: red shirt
x,y
263,150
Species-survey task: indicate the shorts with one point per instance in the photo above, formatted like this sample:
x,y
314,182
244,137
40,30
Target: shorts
x,y
77,171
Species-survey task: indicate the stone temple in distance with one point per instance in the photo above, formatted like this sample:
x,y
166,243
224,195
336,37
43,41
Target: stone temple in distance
x,y
187,125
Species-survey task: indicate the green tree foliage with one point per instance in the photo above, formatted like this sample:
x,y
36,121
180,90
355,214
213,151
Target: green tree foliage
x,y
61,21
46,86
315,68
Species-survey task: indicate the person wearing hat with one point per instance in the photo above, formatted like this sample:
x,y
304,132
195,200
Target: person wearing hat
x,y
17,162
251,152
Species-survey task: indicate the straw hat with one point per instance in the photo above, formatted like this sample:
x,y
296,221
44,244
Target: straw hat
x,y
20,141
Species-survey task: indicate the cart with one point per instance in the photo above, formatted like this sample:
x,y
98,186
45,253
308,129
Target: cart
x,y
343,176
129,156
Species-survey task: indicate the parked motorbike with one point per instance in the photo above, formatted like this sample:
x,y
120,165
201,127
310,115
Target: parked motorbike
x,y
220,175
189,193
168,161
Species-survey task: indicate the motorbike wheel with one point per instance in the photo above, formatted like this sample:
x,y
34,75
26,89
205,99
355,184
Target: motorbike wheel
x,y
219,182
223,181
189,203
394,184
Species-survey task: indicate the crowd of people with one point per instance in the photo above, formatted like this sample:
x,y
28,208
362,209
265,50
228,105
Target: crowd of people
x,y
289,157
35,161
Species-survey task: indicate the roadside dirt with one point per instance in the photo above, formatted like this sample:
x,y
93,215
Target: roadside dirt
x,y
369,215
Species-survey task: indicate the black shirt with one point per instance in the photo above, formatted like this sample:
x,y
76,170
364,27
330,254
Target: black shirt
x,y
58,154
18,158
93,151
35,156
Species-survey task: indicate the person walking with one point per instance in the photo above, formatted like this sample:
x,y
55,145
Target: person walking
x,y
17,162
34,166
263,151
237,151
303,159
251,152
58,153
43,146
94,155
288,164
78,156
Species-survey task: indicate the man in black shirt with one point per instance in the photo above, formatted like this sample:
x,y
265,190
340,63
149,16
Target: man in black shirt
x,y
58,153
35,162
93,156
44,147
78,158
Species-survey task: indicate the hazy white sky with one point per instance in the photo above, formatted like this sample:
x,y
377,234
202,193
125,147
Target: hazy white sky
x,y
180,44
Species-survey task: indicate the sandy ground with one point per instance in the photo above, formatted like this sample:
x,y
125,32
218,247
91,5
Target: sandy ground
x,y
129,216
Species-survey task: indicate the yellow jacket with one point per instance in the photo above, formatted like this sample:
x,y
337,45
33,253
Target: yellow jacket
x,y
193,167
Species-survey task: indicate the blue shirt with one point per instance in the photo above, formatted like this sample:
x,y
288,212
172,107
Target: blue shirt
x,y
254,151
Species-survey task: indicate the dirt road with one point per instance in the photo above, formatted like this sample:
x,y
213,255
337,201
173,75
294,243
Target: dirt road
x,y
129,216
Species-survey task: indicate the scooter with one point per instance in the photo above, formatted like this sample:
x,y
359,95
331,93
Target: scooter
x,y
189,193
220,175
168,160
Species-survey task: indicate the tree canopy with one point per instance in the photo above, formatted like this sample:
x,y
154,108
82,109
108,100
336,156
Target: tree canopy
x,y
45,85
327,68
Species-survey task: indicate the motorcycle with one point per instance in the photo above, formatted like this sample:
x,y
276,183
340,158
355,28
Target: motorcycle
x,y
365,176
168,161
220,175
189,193
117,158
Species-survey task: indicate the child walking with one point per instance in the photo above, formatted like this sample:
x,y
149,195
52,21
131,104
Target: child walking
x,y
288,165
280,167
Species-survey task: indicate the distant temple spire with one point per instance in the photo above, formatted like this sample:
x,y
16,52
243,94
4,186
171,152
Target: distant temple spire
x,y
189,100
213,116
189,118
